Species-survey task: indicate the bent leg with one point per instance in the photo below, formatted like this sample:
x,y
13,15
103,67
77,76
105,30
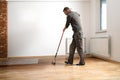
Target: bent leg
x,y
71,52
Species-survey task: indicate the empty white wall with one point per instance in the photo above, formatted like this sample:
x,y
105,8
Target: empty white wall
x,y
35,27
113,22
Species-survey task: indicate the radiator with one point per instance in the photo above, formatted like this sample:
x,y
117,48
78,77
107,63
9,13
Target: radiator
x,y
100,46
68,42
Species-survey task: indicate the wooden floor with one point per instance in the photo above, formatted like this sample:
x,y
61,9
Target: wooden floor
x,y
95,69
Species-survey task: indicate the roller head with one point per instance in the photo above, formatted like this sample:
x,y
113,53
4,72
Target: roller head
x,y
53,63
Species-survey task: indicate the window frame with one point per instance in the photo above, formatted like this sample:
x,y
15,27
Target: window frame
x,y
100,30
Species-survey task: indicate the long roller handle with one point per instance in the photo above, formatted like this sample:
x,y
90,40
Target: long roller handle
x,y
59,43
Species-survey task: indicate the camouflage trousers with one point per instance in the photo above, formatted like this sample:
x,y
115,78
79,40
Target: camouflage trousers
x,y
76,44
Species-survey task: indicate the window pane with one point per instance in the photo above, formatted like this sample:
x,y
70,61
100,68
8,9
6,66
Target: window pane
x,y
103,21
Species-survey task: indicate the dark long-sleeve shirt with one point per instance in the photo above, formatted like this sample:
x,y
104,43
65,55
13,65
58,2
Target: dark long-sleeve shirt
x,y
73,18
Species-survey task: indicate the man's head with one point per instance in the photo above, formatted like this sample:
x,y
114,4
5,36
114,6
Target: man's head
x,y
66,10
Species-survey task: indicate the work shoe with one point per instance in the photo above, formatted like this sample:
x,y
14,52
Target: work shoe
x,y
80,64
68,63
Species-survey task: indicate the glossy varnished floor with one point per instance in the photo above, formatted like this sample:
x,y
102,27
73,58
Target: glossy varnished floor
x,y
95,69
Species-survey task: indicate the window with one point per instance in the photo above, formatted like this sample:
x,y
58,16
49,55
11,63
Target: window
x,y
103,15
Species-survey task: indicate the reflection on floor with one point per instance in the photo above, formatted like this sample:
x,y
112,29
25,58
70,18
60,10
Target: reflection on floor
x,y
42,69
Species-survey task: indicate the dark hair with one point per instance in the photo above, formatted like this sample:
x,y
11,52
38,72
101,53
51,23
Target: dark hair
x,y
66,8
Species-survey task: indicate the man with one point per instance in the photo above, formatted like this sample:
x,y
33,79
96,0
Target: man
x,y
73,18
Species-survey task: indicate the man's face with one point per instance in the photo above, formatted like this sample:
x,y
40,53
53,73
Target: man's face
x,y
66,12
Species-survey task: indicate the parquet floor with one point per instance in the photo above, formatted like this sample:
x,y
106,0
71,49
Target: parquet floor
x,y
95,69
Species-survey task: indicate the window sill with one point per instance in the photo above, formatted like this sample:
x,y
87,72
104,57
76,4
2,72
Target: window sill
x,y
104,31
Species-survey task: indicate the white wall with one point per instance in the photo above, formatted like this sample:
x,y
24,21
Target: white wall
x,y
34,28
114,27
113,22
